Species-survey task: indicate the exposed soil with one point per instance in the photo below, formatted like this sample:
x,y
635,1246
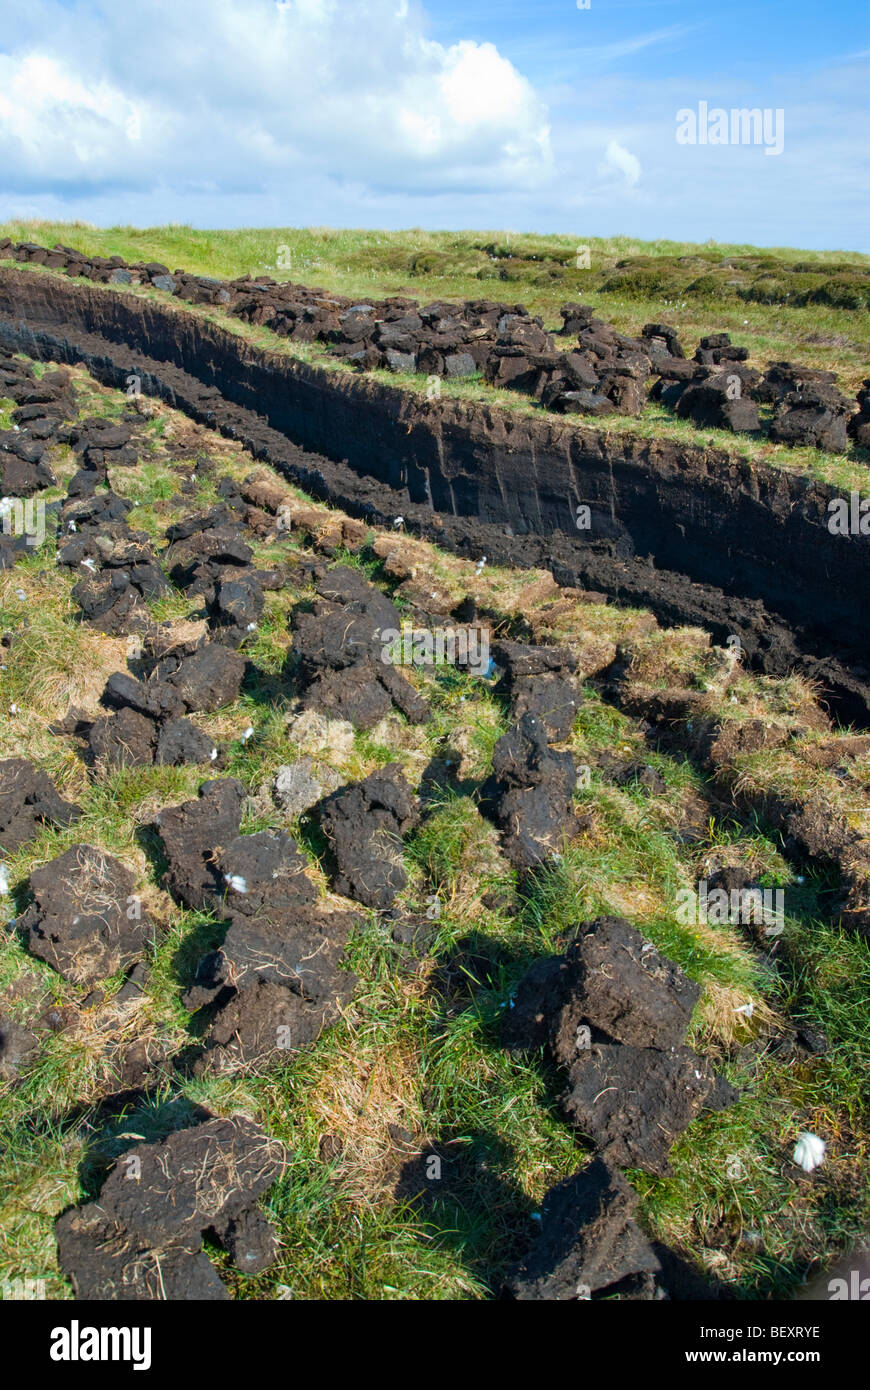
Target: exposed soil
x,y
339,647
191,832
588,1240
364,824
615,1014
277,979
633,1102
538,681
142,1238
679,529
85,919
27,801
530,794
610,978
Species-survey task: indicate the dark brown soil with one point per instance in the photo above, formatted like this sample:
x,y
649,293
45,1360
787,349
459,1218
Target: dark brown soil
x,y
364,823
615,1013
86,919
588,1239
27,801
142,1238
677,528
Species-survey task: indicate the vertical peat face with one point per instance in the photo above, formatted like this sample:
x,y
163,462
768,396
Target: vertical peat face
x,y
685,530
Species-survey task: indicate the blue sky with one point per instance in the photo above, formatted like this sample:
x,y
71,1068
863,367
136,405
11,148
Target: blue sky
x,y
534,117
739,37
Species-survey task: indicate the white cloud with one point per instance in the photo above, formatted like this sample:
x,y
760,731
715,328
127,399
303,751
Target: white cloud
x,y
247,93
47,111
617,157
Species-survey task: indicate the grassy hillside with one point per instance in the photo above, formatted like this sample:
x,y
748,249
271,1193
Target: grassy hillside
x,y
415,1064
778,300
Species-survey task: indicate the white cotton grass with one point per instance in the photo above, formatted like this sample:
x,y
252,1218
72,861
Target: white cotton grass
x,y
249,733
809,1151
236,883
4,881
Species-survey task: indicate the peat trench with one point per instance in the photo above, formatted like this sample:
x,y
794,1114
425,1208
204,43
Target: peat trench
x,y
682,530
